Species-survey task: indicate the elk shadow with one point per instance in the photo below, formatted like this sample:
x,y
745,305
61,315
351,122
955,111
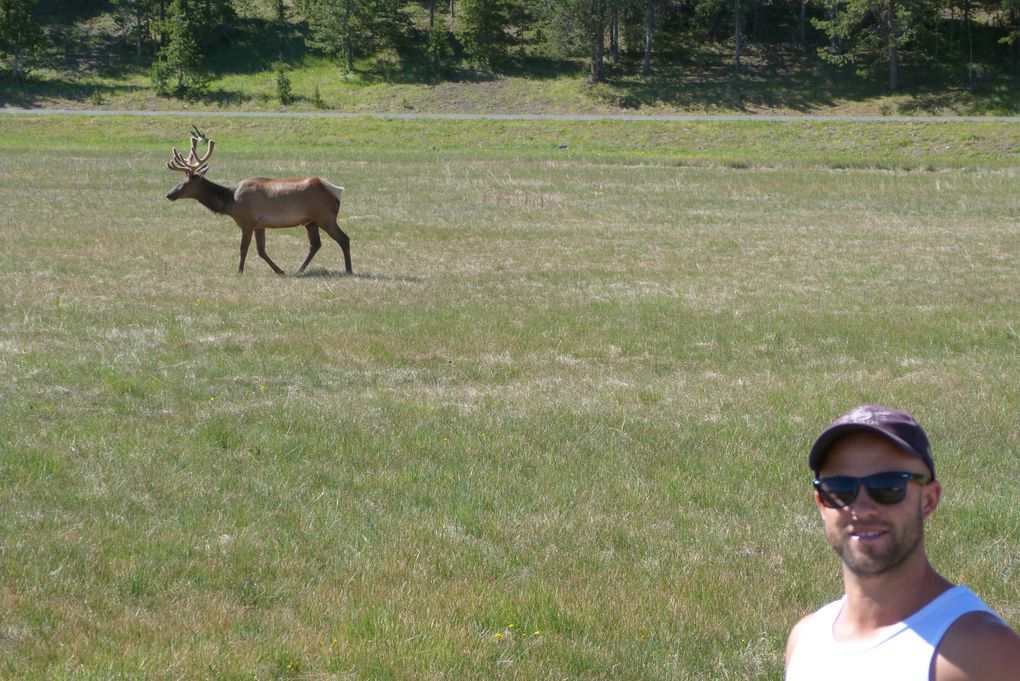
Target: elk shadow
x,y
323,273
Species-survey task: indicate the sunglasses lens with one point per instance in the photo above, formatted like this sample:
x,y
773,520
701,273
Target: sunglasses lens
x,y
838,491
887,489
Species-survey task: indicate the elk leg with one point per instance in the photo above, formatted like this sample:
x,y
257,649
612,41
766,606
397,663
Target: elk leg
x,y
245,241
341,238
314,242
260,245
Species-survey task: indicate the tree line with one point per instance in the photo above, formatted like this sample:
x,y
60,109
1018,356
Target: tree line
x,y
875,37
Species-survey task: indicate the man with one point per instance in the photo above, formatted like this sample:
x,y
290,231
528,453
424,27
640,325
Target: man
x,y
899,619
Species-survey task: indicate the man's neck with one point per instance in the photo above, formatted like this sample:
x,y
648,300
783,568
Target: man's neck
x,y
879,601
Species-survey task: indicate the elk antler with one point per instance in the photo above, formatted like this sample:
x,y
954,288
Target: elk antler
x,y
192,165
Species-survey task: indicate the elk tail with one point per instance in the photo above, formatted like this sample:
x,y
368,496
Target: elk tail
x,y
336,191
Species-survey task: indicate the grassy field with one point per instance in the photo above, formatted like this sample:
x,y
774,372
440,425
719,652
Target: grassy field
x,y
554,427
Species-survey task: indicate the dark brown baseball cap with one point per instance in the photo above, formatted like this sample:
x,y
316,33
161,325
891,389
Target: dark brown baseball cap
x,y
895,425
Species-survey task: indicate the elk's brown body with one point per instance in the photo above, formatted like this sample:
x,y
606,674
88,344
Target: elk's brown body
x,y
259,203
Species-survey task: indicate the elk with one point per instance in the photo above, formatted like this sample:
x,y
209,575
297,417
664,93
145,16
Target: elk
x,y
259,203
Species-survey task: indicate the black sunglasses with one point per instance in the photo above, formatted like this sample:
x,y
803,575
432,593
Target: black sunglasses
x,y
839,491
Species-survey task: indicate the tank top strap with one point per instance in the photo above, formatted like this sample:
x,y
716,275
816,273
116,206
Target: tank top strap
x,y
933,620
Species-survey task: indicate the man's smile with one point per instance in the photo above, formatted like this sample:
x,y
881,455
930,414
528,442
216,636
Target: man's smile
x,y
868,535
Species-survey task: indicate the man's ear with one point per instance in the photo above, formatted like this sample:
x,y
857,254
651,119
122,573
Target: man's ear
x,y
818,501
930,495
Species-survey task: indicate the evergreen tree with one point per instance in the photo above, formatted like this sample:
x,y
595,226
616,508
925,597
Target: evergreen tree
x,y
216,20
345,27
439,39
1011,21
20,35
579,26
284,92
739,12
136,17
482,29
649,16
871,33
178,67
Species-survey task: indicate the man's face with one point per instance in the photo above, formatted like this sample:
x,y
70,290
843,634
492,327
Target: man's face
x,y
872,538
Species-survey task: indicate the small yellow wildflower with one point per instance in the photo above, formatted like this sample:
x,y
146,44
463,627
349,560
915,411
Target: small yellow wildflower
x,y
499,636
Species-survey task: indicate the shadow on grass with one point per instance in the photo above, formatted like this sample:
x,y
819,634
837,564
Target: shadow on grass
x,y
788,79
416,69
33,92
225,98
81,50
709,80
323,273
988,93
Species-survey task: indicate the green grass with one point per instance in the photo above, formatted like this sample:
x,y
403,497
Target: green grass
x,y
806,144
555,426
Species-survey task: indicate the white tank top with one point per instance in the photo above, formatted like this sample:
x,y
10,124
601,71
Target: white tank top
x,y
902,651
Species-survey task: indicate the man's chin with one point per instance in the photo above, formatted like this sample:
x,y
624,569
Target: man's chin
x,y
868,560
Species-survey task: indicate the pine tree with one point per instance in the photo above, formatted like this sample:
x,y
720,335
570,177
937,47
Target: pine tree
x,y
439,40
1011,20
345,27
579,26
135,17
482,29
178,66
284,92
20,35
871,33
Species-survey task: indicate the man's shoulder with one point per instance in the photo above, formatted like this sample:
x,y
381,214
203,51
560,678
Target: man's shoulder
x,y
795,633
978,645
799,628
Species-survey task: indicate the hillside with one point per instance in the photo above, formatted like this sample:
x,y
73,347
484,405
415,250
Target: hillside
x,y
91,62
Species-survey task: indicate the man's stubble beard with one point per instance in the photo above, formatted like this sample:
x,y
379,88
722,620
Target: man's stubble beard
x,y
901,543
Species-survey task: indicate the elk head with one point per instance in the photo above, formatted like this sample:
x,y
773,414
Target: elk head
x,y
192,166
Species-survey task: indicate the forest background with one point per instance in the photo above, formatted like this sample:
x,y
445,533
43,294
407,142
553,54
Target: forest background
x,y
519,56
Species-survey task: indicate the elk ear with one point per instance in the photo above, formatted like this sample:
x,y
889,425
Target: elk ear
x,y
201,171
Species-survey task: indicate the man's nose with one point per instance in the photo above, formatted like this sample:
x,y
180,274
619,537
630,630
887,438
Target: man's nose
x,y
863,506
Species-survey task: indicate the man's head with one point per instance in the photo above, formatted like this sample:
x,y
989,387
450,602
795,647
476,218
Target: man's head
x,y
874,486
895,425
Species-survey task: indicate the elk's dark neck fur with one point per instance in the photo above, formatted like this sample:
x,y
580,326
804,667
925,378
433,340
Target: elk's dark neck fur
x,y
215,197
